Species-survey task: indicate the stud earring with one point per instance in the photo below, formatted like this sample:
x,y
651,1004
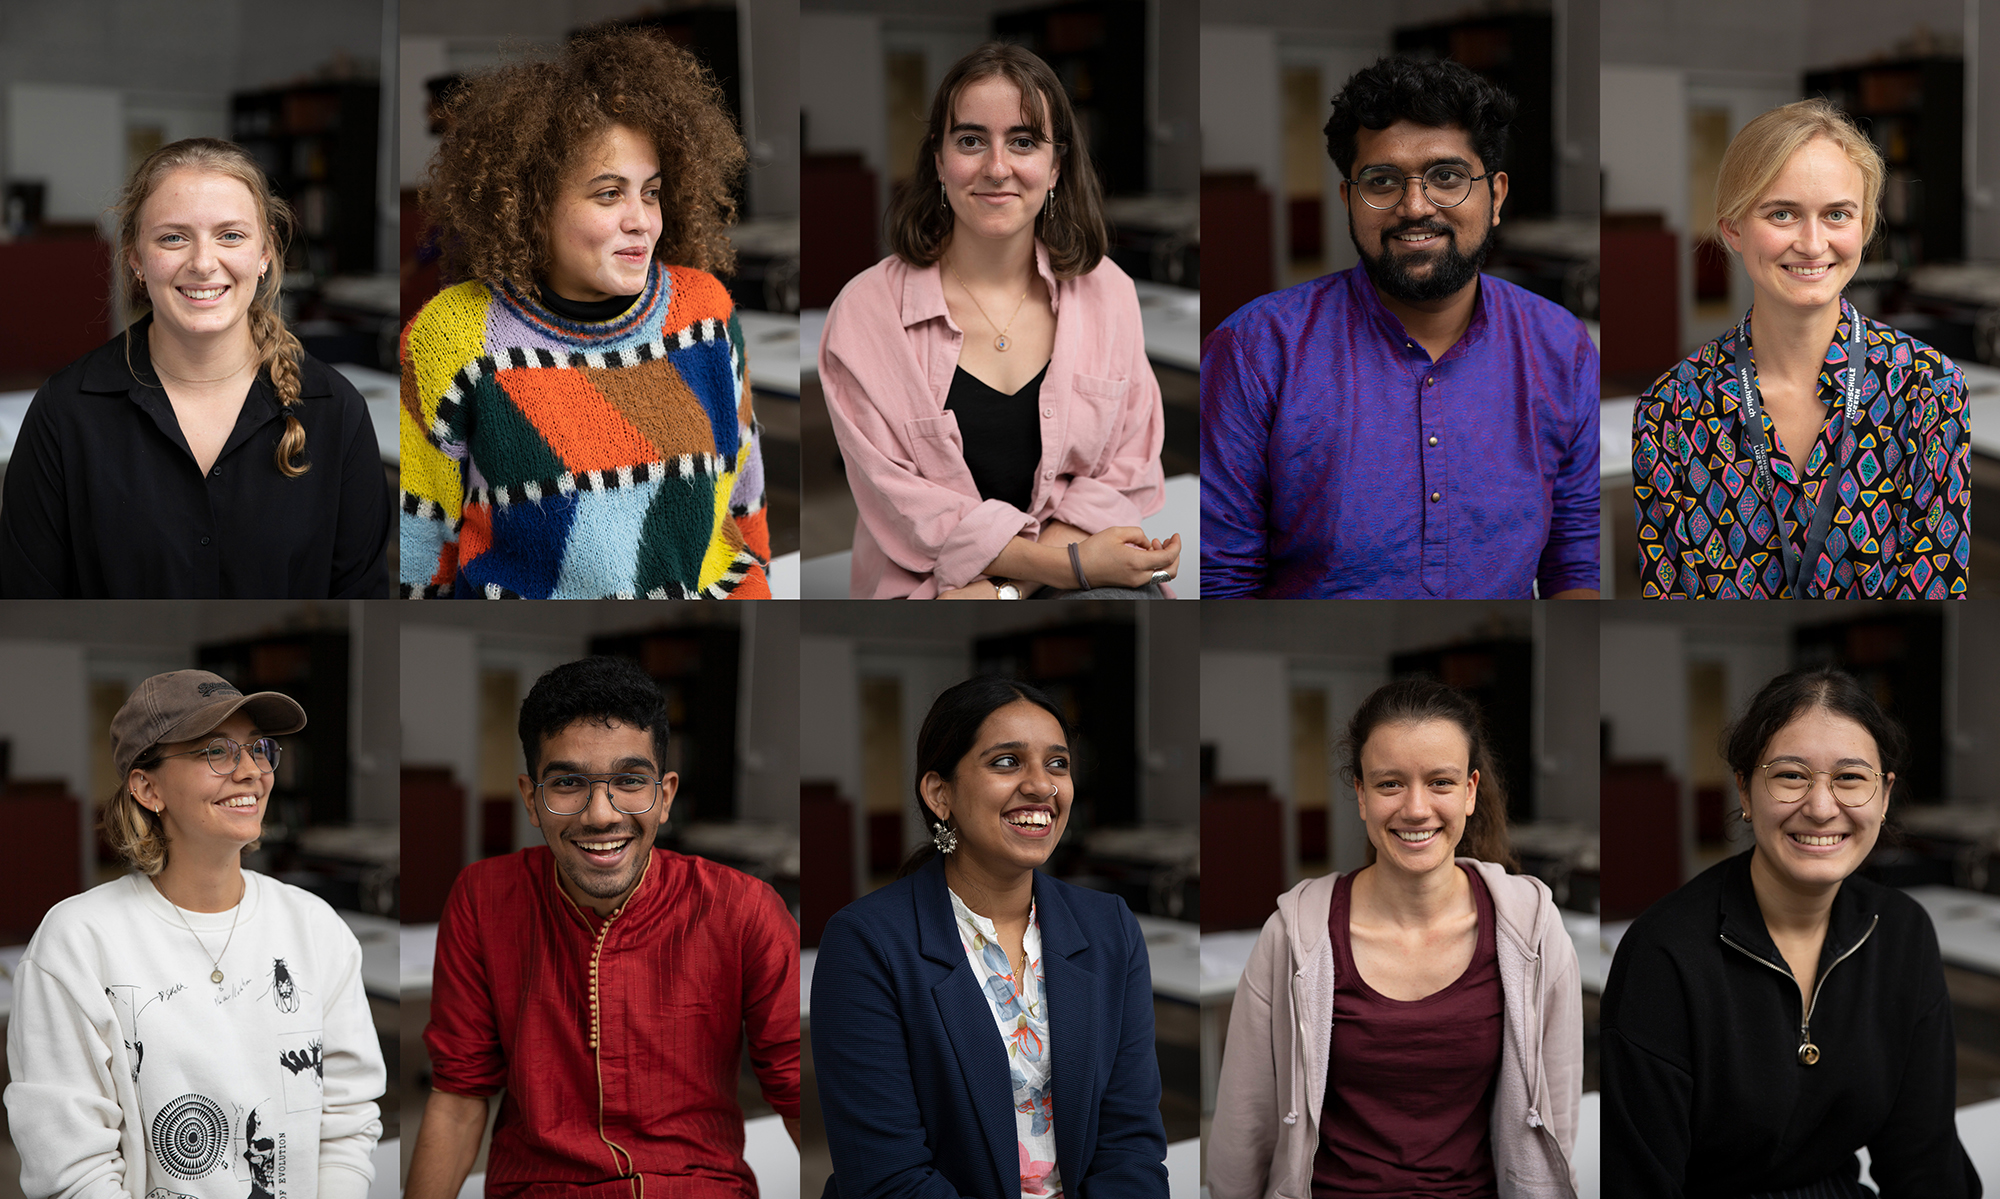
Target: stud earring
x,y
945,838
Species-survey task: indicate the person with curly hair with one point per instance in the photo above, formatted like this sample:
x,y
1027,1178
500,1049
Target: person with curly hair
x,y
1408,428
576,413
201,453
988,382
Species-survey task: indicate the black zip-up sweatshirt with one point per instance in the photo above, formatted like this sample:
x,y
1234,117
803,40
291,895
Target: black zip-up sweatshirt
x,y
1705,1092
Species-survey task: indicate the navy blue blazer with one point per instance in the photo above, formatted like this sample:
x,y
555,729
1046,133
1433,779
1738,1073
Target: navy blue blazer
x,y
913,1076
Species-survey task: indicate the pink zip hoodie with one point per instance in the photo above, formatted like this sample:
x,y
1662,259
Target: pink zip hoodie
x,y
1267,1104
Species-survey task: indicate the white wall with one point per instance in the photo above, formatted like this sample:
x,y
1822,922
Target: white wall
x,y
1566,713
373,695
1982,130
45,717
768,721
841,91
768,46
1642,692
1246,714
73,138
440,710
1242,116
1170,638
830,741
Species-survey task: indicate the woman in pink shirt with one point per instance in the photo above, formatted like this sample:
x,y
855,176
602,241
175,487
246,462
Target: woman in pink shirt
x,y
988,383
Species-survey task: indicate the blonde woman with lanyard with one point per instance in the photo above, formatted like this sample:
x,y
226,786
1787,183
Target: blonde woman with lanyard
x,y
1743,444
193,1029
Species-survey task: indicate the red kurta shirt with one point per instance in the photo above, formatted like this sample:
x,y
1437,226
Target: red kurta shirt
x,y
616,1040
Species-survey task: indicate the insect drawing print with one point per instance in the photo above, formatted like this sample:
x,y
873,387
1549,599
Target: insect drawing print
x,y
284,992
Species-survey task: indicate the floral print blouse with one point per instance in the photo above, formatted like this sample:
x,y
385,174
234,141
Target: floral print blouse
x,y
1021,1012
1902,528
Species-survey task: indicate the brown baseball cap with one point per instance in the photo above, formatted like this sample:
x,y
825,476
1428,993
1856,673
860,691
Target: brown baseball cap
x,y
184,704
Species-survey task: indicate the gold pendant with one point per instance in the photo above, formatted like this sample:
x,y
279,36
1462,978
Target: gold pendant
x,y
1001,343
215,977
1808,1054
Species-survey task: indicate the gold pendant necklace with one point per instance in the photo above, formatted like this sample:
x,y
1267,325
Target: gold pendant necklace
x,y
214,959
1000,342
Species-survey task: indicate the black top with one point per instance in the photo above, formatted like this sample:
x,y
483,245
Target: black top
x,y
103,497
1002,436
1704,1090
584,310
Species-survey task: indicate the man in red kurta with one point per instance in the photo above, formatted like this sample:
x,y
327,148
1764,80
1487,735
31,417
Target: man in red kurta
x,y
604,984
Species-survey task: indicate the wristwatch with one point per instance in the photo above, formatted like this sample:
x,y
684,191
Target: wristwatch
x,y
1004,589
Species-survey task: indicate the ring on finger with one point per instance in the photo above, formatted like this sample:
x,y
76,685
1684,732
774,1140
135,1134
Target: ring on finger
x,y
1161,576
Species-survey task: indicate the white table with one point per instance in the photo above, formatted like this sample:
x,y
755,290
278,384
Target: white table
x,y
418,953
381,975
383,393
826,577
784,576
1171,317
771,341
10,958
1979,1132
1968,928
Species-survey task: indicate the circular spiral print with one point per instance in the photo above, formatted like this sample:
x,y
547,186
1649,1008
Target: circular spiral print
x,y
189,1136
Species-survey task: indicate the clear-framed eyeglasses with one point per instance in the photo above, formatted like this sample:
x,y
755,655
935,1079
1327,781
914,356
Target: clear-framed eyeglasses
x,y
222,754
569,794
1852,785
1444,185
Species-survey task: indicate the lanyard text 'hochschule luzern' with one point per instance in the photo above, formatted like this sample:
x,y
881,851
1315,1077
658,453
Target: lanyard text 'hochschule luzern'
x,y
1760,448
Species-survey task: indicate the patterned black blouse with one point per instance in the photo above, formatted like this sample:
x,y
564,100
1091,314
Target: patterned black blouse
x,y
1903,526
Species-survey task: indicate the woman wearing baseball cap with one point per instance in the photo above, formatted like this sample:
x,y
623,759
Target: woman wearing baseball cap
x,y
193,1026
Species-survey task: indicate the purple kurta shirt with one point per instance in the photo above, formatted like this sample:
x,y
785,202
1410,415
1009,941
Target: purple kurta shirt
x,y
1338,461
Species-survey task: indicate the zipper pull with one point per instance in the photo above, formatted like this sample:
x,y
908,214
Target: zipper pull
x,y
1291,1117
1808,1052
1534,1118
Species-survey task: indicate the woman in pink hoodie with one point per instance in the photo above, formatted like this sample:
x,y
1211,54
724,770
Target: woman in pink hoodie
x,y
1414,1027
988,382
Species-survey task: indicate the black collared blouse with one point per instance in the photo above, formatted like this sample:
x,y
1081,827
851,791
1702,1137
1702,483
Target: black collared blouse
x,y
103,497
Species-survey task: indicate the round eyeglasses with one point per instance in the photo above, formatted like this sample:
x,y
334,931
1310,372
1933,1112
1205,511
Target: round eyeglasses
x,y
1790,782
1444,186
569,794
222,754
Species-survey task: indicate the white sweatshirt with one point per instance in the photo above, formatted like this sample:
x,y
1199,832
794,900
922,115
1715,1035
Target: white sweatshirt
x,y
135,1076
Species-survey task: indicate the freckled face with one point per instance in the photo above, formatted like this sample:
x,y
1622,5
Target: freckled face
x,y
1802,240
201,250
606,219
996,169
1416,793
197,805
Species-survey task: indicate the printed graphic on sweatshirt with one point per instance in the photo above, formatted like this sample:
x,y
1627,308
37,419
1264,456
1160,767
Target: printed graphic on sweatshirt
x,y
263,1159
301,1066
283,990
164,1193
124,1003
190,1136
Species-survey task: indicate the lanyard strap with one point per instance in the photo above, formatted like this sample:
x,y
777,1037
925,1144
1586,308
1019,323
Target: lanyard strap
x,y
1760,448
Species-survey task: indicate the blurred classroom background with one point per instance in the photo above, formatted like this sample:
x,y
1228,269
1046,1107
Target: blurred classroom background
x,y
1674,676
1279,682
331,823
1271,194
1126,678
1921,78
88,88
752,48
864,96
730,674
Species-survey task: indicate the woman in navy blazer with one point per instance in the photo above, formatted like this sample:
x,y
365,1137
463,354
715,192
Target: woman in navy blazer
x,y
923,1096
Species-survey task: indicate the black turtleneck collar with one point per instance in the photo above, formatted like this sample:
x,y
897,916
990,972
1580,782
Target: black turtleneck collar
x,y
584,310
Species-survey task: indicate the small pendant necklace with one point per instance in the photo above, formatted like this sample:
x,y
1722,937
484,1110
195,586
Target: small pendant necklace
x,y
215,959
1000,342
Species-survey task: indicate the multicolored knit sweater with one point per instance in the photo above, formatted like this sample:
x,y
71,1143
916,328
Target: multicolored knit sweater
x,y
546,458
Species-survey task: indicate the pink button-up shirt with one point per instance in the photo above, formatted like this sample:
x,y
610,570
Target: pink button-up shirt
x,y
886,362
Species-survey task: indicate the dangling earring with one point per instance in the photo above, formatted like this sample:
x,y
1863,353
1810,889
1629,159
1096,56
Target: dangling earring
x,y
944,837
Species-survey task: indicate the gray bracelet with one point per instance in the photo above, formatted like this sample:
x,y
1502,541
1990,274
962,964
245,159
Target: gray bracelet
x,y
1076,564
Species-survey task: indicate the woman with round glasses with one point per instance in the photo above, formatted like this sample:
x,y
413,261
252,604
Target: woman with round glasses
x,y
193,1027
947,1005
1780,1012
988,382
1809,451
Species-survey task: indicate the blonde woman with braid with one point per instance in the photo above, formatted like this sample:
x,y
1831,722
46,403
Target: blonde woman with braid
x,y
201,453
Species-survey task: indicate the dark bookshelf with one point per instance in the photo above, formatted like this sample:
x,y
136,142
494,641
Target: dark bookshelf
x,y
1497,675
311,668
1897,656
1098,49
696,669
318,144
1914,110
1088,670
1516,53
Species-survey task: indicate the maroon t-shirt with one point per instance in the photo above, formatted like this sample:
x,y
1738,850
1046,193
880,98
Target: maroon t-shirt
x,y
1409,1083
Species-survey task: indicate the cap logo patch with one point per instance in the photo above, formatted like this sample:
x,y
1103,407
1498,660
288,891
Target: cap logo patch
x,y
209,689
